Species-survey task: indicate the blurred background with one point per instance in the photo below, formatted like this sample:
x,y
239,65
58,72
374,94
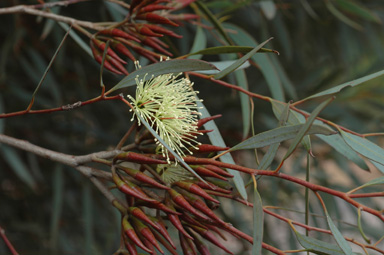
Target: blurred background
x,y
48,208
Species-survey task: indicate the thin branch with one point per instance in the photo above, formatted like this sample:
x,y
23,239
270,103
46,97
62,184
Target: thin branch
x,y
7,242
32,11
66,159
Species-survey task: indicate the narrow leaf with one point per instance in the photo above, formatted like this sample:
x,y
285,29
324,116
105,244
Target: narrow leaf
x,y
377,181
216,139
364,147
337,142
199,43
318,246
240,61
213,20
343,244
353,83
242,81
358,10
341,16
304,129
258,222
294,118
170,66
16,163
279,134
241,37
230,49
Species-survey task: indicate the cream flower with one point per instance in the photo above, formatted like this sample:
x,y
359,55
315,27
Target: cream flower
x,y
168,104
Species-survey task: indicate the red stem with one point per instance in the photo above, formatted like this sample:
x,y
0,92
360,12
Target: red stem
x,y
7,242
62,108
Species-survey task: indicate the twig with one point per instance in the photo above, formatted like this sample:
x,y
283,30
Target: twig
x,y
7,242
70,160
32,11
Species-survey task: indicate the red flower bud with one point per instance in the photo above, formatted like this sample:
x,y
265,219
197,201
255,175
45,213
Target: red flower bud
x,y
186,246
140,176
131,234
146,233
193,188
138,158
154,18
206,119
118,33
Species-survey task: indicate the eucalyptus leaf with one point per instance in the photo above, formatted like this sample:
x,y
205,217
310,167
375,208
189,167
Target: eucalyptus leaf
x,y
376,181
343,244
353,83
294,118
338,143
240,61
217,140
258,222
170,66
279,134
304,129
242,37
13,159
318,246
364,147
199,43
229,49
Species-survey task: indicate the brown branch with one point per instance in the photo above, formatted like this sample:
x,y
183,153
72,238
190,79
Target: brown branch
x,y
66,159
32,11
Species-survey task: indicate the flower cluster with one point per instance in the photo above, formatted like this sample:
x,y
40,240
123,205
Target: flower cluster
x,y
168,104
143,26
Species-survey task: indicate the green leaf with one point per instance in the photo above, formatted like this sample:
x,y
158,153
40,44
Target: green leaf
x,y
240,61
16,163
337,142
364,147
343,244
58,180
215,22
377,181
318,246
358,10
241,37
258,223
294,118
304,129
170,66
353,83
199,43
242,81
341,16
378,166
229,49
268,157
269,8
220,65
278,135
216,139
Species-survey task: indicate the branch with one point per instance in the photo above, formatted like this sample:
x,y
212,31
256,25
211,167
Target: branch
x,y
32,11
66,159
7,242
